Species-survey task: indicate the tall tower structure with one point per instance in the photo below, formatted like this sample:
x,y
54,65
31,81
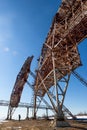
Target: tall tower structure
x,y
59,54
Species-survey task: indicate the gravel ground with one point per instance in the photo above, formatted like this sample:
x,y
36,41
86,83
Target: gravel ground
x,y
40,125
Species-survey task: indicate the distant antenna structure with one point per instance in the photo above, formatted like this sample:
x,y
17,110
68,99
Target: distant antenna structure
x,y
18,86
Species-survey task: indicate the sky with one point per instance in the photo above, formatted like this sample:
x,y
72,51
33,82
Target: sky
x,y
24,25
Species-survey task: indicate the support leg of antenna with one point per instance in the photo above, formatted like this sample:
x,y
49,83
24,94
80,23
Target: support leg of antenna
x,y
59,121
34,115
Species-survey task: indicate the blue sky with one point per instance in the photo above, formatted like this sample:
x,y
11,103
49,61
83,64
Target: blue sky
x,y
24,25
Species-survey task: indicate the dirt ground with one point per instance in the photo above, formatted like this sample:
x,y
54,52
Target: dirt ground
x,y
40,125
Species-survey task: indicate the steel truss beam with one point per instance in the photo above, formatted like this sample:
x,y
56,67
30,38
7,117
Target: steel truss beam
x,y
61,88
80,78
63,92
42,99
22,105
59,54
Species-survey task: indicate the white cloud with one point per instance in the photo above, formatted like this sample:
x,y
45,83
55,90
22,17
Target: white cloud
x,y
6,49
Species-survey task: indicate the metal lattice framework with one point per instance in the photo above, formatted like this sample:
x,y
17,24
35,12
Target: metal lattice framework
x,y
59,59
59,54
19,85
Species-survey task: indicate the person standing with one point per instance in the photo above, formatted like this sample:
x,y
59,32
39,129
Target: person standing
x,y
19,117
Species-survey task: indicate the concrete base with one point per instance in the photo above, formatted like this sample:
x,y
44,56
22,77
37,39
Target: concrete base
x,y
61,124
58,123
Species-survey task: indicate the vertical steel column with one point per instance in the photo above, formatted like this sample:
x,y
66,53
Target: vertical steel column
x,y
35,98
59,114
47,113
9,115
27,116
54,71
55,81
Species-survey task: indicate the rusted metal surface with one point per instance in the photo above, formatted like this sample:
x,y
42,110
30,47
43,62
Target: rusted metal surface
x,y
69,28
19,83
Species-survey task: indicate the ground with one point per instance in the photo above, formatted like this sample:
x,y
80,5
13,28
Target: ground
x,y
40,125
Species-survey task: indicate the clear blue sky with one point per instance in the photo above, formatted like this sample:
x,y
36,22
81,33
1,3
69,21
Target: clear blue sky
x,y
24,25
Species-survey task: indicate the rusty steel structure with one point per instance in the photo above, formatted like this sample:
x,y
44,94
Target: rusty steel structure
x,y
28,106
59,54
58,60
19,85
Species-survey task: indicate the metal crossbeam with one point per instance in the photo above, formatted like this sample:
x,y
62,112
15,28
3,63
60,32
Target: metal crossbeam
x,y
6,103
80,78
